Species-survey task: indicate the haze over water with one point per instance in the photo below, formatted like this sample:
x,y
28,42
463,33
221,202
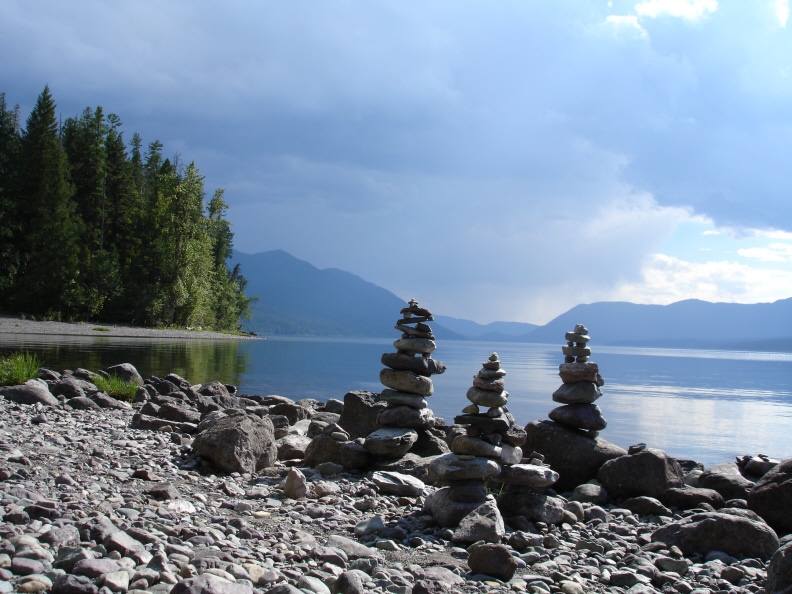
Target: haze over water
x,y
703,405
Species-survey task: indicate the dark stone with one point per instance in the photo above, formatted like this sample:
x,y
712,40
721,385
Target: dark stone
x,y
650,472
779,571
238,443
181,414
31,392
214,388
771,497
715,531
349,454
495,560
580,416
82,403
126,372
574,455
359,417
292,411
686,497
419,365
646,506
73,584
727,480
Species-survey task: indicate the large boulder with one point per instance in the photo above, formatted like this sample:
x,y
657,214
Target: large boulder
x,y
34,391
292,446
72,387
238,442
574,455
779,571
128,373
291,410
726,479
539,507
686,497
391,442
483,523
732,534
771,497
361,409
399,484
349,454
649,472
494,560
447,512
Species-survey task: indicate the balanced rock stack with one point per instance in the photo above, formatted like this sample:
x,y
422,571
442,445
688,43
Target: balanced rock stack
x,y
488,450
581,387
408,383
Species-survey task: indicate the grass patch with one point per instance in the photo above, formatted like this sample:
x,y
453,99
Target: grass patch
x,y
116,387
17,368
102,329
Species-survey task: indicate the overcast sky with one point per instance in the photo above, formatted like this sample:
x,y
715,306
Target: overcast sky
x,y
494,160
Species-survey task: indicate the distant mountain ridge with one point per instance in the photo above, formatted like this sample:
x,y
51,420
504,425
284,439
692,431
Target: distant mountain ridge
x,y
691,323
298,299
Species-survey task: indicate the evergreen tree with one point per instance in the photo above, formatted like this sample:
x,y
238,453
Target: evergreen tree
x,y
48,281
9,153
183,254
228,289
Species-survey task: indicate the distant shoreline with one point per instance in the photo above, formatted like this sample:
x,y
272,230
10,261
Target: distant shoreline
x,y
17,325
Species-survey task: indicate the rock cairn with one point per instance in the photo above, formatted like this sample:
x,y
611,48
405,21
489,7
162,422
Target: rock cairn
x,y
408,383
581,386
488,450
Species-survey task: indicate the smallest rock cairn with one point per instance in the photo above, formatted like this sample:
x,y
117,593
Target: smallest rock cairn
x,y
408,383
489,450
581,386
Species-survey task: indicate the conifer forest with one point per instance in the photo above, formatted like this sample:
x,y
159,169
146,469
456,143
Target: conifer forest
x,y
93,228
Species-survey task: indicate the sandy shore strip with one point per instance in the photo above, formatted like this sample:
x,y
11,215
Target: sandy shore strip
x,y
16,325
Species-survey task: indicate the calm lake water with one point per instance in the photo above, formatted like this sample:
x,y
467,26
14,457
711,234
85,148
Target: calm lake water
x,y
704,405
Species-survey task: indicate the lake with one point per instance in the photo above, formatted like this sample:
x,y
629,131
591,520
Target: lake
x,y
709,406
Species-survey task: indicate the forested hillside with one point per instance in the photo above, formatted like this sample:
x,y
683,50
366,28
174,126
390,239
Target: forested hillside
x,y
91,228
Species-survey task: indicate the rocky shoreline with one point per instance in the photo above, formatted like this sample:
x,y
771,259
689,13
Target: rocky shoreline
x,y
100,495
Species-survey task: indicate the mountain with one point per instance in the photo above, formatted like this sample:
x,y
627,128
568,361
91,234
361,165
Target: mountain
x,y
686,324
296,298
494,331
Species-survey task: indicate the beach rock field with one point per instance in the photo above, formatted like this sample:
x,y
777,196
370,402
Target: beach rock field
x,y
100,498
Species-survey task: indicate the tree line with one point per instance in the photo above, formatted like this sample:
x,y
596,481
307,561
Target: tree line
x,y
93,229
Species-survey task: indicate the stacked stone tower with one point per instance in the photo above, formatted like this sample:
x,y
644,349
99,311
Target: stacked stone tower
x,y
488,451
581,386
408,383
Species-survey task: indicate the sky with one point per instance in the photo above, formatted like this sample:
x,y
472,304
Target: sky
x,y
493,160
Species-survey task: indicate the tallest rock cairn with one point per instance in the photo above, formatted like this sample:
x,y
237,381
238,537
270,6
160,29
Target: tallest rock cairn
x,y
408,383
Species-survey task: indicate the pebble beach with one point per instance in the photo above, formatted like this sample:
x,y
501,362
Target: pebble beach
x,y
91,504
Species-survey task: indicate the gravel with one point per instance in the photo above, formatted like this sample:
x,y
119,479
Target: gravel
x,y
16,325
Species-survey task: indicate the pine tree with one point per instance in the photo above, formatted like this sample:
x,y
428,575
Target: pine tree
x,y
48,282
228,288
9,154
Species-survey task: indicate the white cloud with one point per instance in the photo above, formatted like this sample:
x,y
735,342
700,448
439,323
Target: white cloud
x,y
626,23
782,12
775,252
667,279
691,10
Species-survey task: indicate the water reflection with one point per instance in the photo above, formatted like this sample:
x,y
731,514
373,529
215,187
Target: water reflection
x,y
198,361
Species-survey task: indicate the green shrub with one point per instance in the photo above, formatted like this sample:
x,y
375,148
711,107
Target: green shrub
x,y
116,387
17,368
